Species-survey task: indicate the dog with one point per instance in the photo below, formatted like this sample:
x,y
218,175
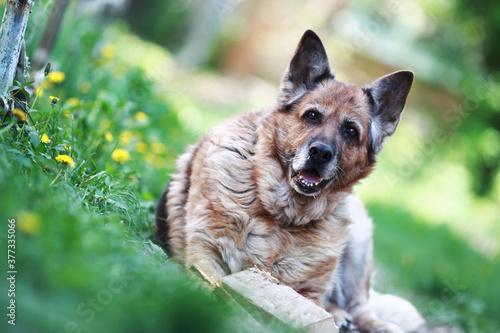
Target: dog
x,y
273,188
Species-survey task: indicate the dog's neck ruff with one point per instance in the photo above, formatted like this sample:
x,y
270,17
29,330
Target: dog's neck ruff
x,y
274,191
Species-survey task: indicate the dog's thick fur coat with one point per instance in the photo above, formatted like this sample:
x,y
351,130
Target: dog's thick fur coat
x,y
272,188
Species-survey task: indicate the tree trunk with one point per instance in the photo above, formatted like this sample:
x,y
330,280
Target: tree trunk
x,y
14,23
41,55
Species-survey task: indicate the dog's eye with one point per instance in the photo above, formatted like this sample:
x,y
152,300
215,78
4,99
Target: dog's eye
x,y
312,115
351,131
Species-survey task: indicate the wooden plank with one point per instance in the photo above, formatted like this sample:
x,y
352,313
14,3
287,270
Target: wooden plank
x,y
256,290
245,322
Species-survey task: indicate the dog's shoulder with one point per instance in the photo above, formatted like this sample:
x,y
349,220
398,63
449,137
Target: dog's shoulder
x,y
223,164
236,137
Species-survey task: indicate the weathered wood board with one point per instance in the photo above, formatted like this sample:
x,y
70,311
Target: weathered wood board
x,y
266,299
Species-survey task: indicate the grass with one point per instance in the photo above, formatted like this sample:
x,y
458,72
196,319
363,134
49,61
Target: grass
x,y
455,284
85,256
79,269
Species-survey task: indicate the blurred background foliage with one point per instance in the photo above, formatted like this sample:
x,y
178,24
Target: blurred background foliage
x,y
146,78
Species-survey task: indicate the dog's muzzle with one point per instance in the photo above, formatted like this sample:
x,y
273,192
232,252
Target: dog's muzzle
x,y
313,167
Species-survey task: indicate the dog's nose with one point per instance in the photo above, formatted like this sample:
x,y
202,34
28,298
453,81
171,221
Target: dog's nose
x,y
320,153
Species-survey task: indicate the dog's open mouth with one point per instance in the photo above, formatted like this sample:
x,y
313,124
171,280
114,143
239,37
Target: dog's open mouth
x,y
309,178
308,181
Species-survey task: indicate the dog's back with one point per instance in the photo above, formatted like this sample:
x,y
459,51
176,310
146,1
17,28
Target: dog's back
x,y
221,165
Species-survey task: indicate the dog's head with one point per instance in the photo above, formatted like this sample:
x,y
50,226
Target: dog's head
x,y
332,130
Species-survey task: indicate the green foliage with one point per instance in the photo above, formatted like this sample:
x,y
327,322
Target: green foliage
x,y
482,24
164,22
469,32
79,270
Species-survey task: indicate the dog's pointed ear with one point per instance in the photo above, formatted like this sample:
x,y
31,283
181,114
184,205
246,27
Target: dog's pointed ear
x,y
387,98
308,67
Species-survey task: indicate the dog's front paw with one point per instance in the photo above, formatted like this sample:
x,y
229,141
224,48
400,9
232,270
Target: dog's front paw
x,y
342,319
347,326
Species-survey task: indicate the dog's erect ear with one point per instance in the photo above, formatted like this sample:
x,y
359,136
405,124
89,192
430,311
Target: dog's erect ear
x,y
308,67
387,97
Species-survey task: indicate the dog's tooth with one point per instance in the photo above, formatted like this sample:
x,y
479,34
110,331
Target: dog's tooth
x,y
307,183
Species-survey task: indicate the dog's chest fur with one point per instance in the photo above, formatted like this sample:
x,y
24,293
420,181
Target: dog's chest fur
x,y
238,203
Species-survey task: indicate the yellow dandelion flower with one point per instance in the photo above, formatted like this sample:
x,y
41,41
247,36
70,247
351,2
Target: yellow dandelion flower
x,y
72,102
54,100
141,117
108,136
44,138
29,222
126,138
85,87
108,51
39,91
67,147
141,147
120,155
20,114
158,148
65,159
56,77
66,113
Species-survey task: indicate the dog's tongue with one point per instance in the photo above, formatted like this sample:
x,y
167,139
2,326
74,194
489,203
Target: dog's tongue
x,y
311,176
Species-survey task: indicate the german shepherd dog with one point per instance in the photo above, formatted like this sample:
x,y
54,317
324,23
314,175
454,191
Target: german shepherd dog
x,y
272,188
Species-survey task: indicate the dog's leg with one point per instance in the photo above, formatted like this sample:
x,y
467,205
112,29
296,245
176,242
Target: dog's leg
x,y
210,246
351,283
396,310
203,253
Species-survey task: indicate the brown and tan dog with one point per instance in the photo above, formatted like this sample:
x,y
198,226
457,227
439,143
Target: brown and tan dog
x,y
272,188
